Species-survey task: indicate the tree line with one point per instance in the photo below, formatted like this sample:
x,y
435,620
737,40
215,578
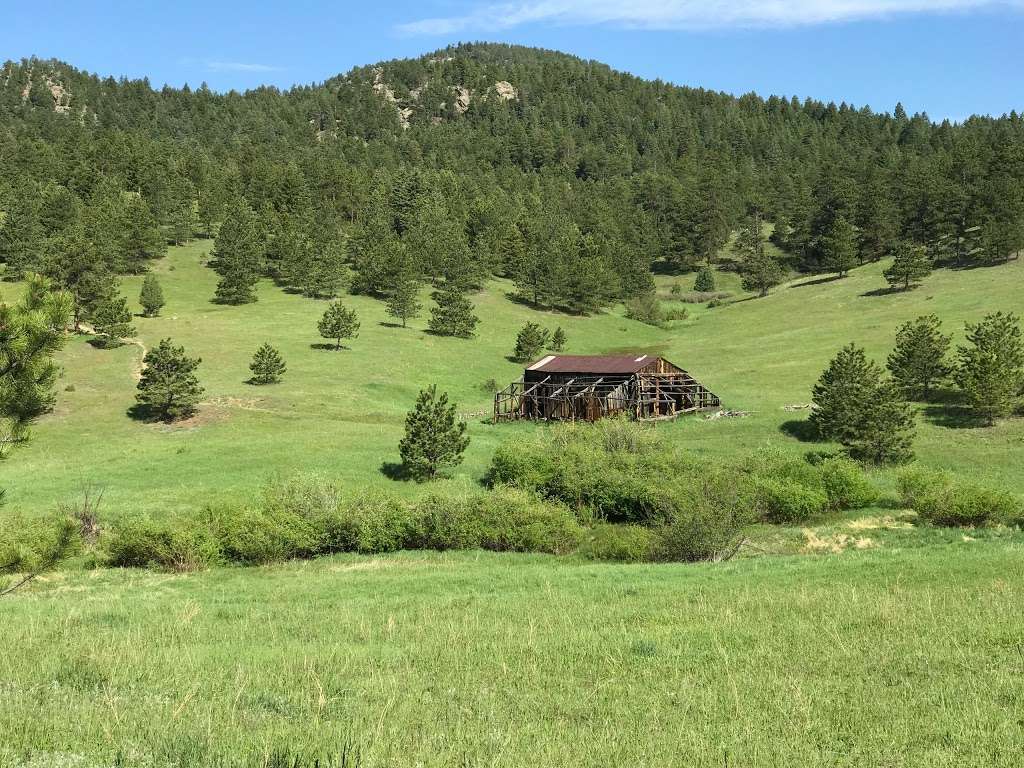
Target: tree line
x,y
572,189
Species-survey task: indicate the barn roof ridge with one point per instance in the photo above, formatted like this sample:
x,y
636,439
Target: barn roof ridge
x,y
629,363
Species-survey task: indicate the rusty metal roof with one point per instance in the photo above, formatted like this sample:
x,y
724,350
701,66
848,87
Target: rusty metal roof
x,y
592,363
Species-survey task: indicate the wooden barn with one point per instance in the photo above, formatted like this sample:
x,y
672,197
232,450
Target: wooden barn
x,y
585,387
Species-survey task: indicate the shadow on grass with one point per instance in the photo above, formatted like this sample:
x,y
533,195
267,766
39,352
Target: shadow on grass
x,y
800,429
322,345
816,281
102,342
952,416
149,415
387,324
887,291
396,470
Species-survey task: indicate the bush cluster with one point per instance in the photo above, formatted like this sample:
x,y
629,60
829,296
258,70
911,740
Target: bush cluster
x,y
789,489
306,516
942,499
618,471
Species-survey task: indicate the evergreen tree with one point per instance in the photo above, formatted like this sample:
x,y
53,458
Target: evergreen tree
x,y
404,302
452,314
839,247
325,275
112,320
919,360
338,322
267,365
761,272
151,297
434,437
990,368
886,431
705,281
558,340
168,389
31,332
530,342
21,236
237,256
910,265
855,406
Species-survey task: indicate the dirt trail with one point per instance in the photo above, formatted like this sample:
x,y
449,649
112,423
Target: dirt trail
x,y
88,330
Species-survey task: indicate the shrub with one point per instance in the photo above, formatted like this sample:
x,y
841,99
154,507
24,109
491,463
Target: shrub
x,y
847,485
784,500
266,535
173,545
646,309
622,543
308,495
504,520
706,532
943,500
373,523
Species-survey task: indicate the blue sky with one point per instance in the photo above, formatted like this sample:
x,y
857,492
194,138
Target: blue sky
x,y
950,58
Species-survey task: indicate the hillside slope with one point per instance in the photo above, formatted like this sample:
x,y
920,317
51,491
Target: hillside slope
x,y
342,412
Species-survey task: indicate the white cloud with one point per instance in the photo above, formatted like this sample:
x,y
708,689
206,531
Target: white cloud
x,y
685,14
238,66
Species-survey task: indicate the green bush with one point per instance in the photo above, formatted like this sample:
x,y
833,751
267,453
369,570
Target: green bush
x,y
174,545
504,520
308,495
264,535
622,543
614,470
943,500
374,522
706,532
846,484
784,500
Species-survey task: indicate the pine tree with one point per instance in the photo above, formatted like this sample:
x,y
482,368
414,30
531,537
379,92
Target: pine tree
x,y
839,247
530,342
324,274
919,360
558,340
855,406
21,236
452,314
338,323
112,320
909,267
705,281
404,302
92,290
761,272
886,430
990,368
434,437
33,330
237,256
151,297
267,365
168,389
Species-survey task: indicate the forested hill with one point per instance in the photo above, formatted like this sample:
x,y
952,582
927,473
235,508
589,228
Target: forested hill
x,y
480,159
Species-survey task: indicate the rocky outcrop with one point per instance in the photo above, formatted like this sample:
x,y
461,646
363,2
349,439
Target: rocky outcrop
x,y
505,91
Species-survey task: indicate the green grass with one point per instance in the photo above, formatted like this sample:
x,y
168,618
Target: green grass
x,y
903,650
343,412
875,658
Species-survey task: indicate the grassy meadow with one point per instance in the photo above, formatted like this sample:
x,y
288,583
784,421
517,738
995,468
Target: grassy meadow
x,y
342,411
895,657
865,640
